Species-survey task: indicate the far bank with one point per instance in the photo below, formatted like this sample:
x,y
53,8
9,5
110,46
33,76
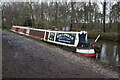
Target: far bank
x,y
105,36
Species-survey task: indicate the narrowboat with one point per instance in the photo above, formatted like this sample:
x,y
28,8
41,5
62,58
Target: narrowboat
x,y
76,39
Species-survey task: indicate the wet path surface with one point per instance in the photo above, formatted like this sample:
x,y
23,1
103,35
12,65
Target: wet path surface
x,y
26,58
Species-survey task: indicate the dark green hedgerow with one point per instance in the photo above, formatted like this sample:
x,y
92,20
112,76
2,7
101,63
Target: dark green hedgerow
x,y
104,36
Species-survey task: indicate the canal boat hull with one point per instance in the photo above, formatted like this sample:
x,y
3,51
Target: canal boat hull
x,y
65,38
86,52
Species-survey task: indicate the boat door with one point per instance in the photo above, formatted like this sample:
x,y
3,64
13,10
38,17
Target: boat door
x,y
82,39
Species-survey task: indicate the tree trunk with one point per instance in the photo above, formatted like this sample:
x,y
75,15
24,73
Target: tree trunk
x,y
42,15
72,15
56,14
104,12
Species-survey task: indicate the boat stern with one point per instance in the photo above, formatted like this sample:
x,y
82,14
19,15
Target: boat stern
x,y
86,52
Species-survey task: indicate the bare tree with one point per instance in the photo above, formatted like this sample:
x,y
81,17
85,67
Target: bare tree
x,y
104,13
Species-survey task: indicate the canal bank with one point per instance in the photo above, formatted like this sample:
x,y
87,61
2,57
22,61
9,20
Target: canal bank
x,y
108,51
105,36
26,58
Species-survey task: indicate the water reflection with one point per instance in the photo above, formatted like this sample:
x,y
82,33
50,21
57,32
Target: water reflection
x,y
109,53
103,56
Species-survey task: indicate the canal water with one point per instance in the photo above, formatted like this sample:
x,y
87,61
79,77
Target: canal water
x,y
108,52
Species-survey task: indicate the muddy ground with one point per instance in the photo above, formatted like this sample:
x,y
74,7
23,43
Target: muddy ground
x,y
26,58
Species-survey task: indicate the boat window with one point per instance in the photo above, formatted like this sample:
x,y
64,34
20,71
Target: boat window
x,y
52,35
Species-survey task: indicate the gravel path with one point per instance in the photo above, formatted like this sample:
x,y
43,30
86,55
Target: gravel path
x,y
25,58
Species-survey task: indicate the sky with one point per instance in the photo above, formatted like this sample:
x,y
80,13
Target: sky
x,y
58,0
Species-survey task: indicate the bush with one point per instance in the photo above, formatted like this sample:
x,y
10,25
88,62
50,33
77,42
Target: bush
x,y
104,36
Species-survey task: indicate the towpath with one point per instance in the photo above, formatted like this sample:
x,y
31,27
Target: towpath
x,y
26,58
